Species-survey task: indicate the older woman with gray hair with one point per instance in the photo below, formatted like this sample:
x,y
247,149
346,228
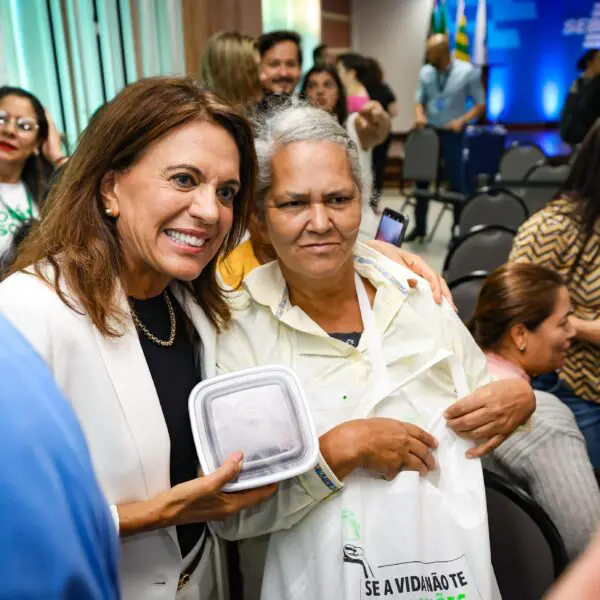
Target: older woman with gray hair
x,y
304,311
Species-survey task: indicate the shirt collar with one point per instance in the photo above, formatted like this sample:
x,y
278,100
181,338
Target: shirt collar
x,y
267,286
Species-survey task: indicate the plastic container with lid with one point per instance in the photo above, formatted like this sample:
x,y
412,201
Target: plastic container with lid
x,y
264,413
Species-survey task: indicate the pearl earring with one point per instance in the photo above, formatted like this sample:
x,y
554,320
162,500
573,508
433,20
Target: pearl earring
x,y
522,349
109,212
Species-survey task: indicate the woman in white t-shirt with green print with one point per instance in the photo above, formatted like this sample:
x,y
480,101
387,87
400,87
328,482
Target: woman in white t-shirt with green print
x,y
30,150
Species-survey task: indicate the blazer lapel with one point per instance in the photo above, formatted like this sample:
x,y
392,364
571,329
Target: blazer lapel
x,y
132,381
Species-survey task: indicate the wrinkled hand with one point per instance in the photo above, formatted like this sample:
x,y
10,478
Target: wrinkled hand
x,y
418,266
456,125
52,147
490,414
387,446
201,499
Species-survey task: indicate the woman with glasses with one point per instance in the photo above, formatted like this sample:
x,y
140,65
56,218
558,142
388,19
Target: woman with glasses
x,y
30,150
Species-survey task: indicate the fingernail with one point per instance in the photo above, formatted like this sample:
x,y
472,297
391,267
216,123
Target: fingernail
x,y
237,456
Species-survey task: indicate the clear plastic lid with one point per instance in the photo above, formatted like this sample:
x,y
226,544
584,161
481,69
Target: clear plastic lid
x,y
264,413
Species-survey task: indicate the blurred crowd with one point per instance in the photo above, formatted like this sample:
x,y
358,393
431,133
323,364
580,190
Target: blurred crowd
x,y
210,225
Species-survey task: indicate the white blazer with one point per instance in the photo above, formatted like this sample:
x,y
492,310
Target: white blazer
x,y
110,387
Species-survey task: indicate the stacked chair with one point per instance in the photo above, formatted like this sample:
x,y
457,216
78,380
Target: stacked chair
x,y
491,216
481,154
483,248
493,206
527,551
516,162
422,163
542,183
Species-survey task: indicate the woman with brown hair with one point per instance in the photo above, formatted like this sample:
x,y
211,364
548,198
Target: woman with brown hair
x,y
522,322
230,69
116,289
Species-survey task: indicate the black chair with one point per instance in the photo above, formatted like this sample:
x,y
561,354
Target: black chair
x,y
465,292
493,206
484,248
422,163
542,183
527,551
517,161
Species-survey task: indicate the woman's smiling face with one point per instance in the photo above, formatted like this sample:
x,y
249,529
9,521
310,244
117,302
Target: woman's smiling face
x,y
174,205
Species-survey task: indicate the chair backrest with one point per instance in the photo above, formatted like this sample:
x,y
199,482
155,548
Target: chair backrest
x,y
421,155
527,551
518,160
547,180
465,292
484,248
493,206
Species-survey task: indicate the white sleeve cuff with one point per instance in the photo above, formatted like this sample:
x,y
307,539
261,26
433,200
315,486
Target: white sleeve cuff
x,y
321,481
115,515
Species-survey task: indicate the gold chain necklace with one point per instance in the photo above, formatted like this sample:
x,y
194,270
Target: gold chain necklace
x,y
173,325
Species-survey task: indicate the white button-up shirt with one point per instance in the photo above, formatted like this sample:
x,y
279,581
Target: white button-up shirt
x,y
267,329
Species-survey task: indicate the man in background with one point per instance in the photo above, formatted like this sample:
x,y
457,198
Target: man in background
x,y
449,97
58,540
280,62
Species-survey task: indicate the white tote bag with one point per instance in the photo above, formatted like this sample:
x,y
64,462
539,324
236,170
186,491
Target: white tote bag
x,y
413,538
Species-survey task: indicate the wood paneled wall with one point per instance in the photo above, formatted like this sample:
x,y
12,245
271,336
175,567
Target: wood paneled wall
x,y
203,18
336,24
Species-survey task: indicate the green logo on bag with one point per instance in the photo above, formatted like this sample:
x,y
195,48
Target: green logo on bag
x,y
349,518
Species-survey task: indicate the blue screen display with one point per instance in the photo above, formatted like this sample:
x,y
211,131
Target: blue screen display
x,y
533,48
390,230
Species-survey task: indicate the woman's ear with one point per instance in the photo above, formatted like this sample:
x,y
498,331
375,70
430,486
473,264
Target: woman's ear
x,y
109,195
518,334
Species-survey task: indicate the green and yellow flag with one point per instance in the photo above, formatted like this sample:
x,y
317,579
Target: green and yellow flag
x,y
461,38
443,19
439,19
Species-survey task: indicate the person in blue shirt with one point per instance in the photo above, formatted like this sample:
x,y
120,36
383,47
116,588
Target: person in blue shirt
x,y
449,97
57,537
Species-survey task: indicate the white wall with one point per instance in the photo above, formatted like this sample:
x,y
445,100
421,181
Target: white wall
x,y
394,32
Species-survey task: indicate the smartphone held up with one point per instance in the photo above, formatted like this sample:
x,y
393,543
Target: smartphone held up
x,y
392,227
